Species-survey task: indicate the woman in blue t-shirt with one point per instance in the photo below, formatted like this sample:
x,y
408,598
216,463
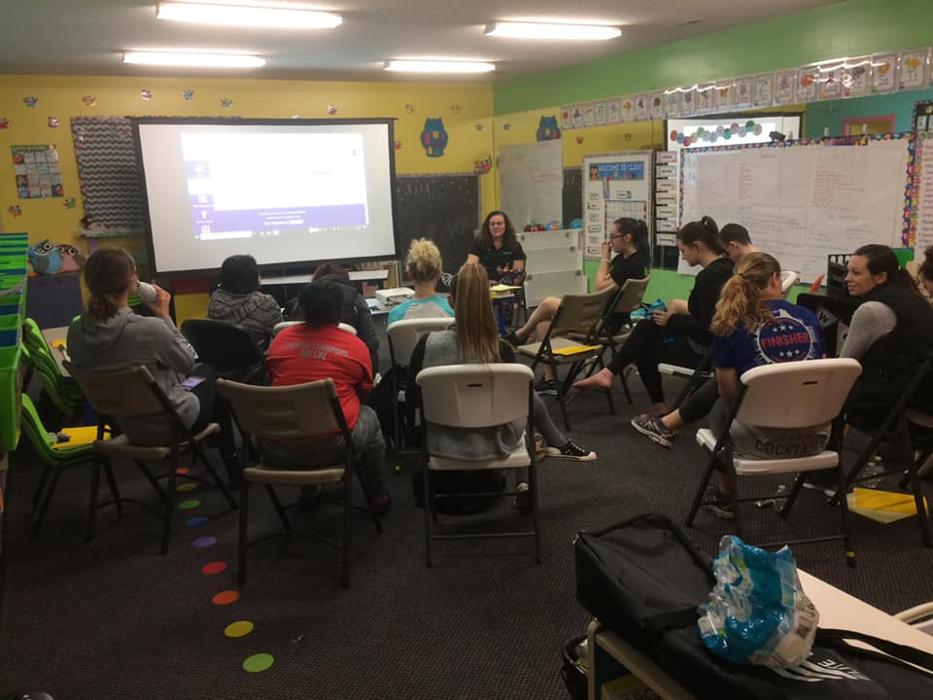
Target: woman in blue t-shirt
x,y
753,326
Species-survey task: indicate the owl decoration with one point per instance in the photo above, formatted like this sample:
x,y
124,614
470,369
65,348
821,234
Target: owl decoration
x,y
45,258
434,137
72,259
548,130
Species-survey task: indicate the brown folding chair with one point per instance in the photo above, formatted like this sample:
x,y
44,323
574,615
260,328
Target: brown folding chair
x,y
130,393
303,412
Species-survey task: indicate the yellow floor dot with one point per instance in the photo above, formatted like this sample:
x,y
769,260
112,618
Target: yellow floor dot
x,y
186,487
240,628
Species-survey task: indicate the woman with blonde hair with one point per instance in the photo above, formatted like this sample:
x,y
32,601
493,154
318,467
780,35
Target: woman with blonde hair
x,y
753,326
475,338
424,267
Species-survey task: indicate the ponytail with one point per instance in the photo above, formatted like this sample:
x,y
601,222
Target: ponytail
x,y
107,274
703,231
740,300
637,229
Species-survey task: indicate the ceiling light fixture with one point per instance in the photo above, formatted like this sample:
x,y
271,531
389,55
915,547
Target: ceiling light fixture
x,y
193,59
553,31
425,66
248,15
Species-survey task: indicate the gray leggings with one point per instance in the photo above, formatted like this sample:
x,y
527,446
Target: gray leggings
x,y
542,422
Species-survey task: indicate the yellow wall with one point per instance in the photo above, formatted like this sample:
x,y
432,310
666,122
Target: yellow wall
x,y
462,107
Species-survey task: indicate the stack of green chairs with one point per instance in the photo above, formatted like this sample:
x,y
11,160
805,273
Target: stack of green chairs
x,y
65,394
13,248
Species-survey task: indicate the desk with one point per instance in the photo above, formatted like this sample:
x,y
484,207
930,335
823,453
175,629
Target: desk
x,y
838,610
355,276
55,337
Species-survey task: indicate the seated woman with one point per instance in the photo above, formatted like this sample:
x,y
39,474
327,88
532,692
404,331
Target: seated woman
x,y
925,276
680,335
318,349
498,250
754,326
474,338
629,242
424,267
108,336
353,311
239,301
891,334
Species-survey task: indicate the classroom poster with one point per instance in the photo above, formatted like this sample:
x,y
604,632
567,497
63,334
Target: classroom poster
x,y
615,112
705,99
688,101
615,185
724,96
855,78
763,90
883,73
913,69
641,108
37,171
922,219
628,109
743,92
784,81
602,114
656,105
807,85
672,104
830,84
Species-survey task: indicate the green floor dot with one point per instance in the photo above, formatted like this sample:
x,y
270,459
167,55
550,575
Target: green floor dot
x,y
188,505
258,662
190,486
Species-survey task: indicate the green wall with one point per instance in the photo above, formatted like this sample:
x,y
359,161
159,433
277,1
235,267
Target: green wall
x,y
833,112
848,28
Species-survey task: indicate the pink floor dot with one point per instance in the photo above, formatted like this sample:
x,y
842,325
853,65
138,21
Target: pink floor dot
x,y
204,542
213,568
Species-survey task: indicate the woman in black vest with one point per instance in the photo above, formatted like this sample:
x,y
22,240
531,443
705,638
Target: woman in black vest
x,y
891,334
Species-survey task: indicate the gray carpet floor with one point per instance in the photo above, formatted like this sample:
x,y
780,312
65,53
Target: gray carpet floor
x,y
111,620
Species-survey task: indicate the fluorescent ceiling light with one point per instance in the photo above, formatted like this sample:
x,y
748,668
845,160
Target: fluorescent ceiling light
x,y
233,15
553,31
440,66
193,60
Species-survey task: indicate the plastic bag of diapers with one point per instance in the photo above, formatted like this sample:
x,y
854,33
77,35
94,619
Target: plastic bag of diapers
x,y
757,613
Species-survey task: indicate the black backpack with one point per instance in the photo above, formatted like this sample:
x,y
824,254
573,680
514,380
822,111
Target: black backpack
x,y
644,580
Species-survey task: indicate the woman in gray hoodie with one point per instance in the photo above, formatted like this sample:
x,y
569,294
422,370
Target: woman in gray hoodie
x,y
108,336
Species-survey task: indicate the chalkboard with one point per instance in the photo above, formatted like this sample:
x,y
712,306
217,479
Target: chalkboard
x,y
442,208
573,195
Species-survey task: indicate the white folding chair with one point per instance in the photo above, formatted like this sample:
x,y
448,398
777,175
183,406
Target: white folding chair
x,y
476,396
789,395
788,279
919,617
278,327
403,337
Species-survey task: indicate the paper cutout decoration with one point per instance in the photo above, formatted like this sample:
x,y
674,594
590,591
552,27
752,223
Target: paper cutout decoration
x,y
53,122
566,121
784,82
145,95
913,69
884,73
548,130
226,103
332,109
89,100
398,145
434,137
580,140
187,95
70,203
455,109
481,167
15,211
763,90
30,101
409,108
4,123
506,126
478,126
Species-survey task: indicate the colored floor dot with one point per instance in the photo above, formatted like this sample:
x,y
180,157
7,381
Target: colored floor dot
x,y
240,628
190,486
182,470
213,568
196,521
258,662
204,542
225,597
189,504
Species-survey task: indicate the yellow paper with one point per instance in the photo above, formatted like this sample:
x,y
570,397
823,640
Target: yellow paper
x,y
882,506
576,349
80,437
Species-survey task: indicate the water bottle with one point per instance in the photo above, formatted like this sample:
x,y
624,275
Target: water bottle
x,y
147,292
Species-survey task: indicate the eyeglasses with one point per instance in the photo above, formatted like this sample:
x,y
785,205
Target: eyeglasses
x,y
496,223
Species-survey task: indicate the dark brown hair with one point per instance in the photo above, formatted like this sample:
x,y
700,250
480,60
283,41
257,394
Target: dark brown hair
x,y
735,233
508,240
926,267
320,303
107,274
882,259
635,228
330,269
703,231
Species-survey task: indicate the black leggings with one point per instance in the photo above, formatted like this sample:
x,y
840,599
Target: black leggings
x,y
648,347
700,402
213,408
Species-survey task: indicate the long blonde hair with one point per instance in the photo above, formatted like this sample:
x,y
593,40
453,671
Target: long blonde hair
x,y
424,261
740,299
477,333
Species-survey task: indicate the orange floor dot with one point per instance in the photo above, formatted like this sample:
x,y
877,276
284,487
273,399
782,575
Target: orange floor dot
x,y
182,470
225,597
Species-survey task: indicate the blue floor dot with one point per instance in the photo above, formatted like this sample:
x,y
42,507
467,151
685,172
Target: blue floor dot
x,y
196,521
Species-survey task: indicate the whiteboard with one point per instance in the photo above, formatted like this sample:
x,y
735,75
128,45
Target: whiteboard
x,y
531,181
801,202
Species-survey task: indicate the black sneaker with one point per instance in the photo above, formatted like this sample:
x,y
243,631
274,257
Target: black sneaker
x,y
571,451
514,339
523,497
548,387
719,504
652,428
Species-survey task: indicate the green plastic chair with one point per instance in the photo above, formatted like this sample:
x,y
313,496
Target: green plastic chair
x,y
66,395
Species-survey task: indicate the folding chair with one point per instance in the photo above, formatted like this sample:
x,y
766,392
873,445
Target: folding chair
x,y
788,279
475,396
910,432
403,337
134,392
282,325
790,395
919,617
227,348
577,314
292,413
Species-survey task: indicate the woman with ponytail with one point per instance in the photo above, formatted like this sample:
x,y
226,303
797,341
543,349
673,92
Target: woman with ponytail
x,y
755,326
681,334
624,257
108,336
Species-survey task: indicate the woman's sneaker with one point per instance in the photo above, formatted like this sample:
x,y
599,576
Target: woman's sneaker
x,y
719,504
652,428
571,451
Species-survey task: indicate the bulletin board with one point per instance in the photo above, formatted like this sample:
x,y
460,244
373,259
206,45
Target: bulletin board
x,y
615,185
531,180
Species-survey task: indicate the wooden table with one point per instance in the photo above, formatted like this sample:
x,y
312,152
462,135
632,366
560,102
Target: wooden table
x,y
55,337
838,610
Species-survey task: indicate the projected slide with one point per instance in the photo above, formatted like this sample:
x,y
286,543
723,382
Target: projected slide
x,y
243,185
297,192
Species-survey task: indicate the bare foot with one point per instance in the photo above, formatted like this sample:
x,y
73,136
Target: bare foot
x,y
601,380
